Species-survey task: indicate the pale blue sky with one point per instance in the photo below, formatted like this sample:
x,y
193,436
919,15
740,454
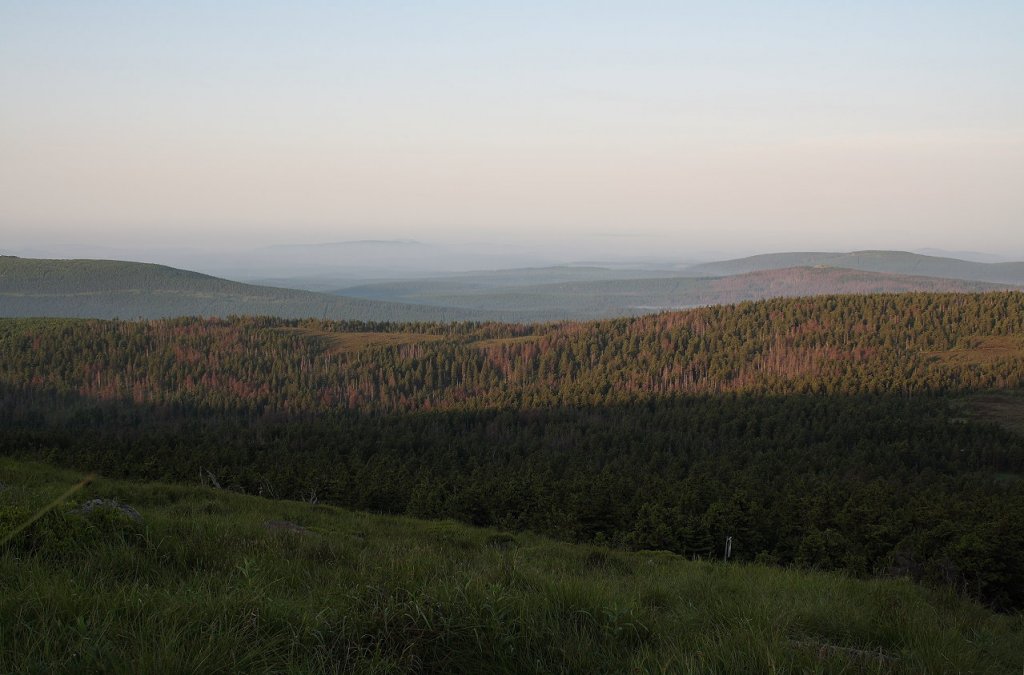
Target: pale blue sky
x,y
707,126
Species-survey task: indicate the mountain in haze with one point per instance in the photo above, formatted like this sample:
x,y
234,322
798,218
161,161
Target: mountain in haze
x,y
516,276
502,278
348,244
588,295
973,256
116,289
348,262
888,262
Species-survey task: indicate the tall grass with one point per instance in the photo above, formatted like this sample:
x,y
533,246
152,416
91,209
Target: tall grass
x,y
205,586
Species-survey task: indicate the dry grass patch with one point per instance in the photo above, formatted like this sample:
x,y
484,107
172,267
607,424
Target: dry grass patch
x,y
498,342
982,350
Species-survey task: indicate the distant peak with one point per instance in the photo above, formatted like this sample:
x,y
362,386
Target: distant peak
x,y
377,242
351,243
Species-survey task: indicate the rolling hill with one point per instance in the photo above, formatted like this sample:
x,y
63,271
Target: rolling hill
x,y
887,262
107,289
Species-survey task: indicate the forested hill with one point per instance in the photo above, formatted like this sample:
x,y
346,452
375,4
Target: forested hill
x,y
832,344
888,262
833,432
108,289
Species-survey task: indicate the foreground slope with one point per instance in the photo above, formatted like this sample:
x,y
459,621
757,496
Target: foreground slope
x,y
214,581
888,262
107,289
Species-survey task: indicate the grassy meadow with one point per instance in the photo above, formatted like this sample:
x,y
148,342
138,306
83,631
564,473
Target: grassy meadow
x,y
213,581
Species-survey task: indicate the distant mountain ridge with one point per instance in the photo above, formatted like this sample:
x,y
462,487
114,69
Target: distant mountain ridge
x,y
107,289
353,243
591,298
887,262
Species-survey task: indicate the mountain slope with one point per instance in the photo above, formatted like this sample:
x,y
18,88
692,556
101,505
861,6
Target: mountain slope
x,y
107,289
889,262
214,581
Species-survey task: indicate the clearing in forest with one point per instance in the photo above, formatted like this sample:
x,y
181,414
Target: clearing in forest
x,y
497,342
982,350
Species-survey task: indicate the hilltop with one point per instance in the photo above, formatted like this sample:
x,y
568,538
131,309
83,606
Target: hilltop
x,y
213,581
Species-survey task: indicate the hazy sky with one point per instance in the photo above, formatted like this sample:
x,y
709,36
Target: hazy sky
x,y
727,126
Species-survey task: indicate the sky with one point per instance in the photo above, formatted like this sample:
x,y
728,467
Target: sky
x,y
669,129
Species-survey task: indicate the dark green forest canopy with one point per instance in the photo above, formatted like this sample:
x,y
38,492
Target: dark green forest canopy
x,y
821,432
